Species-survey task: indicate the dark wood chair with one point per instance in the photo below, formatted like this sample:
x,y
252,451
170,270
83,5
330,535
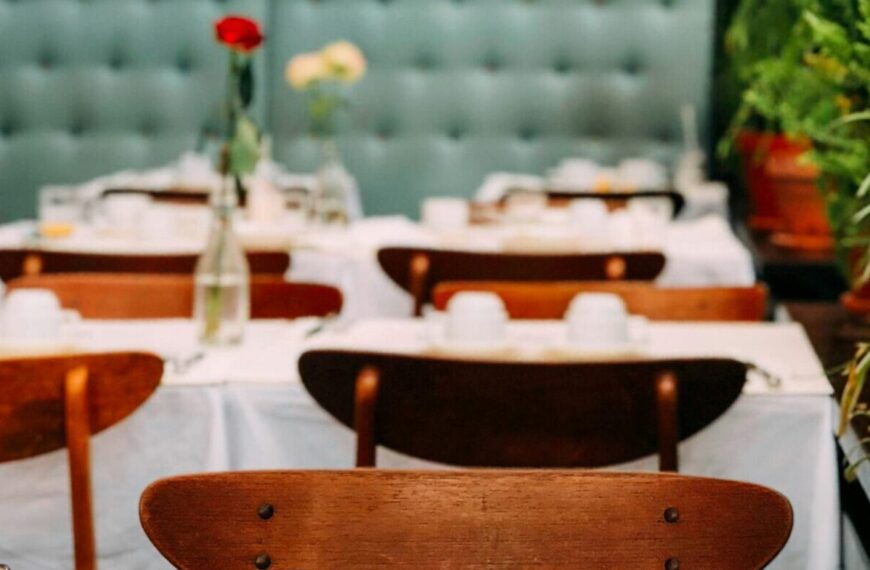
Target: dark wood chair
x,y
419,270
551,300
56,402
463,519
613,200
131,296
520,414
18,262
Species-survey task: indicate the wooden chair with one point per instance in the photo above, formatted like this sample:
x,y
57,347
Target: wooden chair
x,y
56,402
551,300
130,296
612,199
463,519
418,270
520,414
18,262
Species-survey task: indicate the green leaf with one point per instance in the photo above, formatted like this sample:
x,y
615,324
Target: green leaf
x,y
244,147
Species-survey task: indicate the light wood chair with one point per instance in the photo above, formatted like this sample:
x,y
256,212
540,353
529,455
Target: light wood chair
x,y
56,402
419,270
368,519
551,300
18,262
520,414
130,296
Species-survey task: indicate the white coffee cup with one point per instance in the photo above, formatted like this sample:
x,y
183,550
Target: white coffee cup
x,y
443,213
158,222
476,317
34,316
598,320
125,211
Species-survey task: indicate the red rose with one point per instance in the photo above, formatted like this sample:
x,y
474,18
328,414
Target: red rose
x,y
239,33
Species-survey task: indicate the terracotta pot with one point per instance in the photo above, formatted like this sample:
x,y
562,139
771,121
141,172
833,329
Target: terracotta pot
x,y
755,147
803,217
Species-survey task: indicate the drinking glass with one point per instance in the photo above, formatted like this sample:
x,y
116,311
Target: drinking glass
x,y
59,211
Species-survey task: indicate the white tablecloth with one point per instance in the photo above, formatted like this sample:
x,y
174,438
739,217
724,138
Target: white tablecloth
x,y
244,408
699,253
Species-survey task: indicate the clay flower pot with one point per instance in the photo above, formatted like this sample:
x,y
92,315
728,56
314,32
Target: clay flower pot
x,y
800,202
755,147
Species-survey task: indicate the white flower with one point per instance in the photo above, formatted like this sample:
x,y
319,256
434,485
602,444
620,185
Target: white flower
x,y
345,61
305,69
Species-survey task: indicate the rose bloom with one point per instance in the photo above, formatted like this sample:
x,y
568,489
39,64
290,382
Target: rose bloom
x,y
239,33
305,69
346,61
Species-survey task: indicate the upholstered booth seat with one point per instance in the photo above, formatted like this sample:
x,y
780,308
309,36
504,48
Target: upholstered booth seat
x,y
457,88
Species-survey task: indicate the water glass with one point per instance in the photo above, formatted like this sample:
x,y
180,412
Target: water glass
x,y
59,211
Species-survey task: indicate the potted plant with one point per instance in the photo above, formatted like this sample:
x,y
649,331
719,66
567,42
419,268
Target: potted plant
x,y
841,149
769,43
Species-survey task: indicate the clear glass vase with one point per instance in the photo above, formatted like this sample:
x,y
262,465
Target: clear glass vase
x,y
222,279
335,186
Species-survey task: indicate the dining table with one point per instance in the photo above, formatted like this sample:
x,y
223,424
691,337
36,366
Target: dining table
x,y
244,407
702,252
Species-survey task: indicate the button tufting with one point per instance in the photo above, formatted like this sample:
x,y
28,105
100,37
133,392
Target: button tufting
x,y
456,133
424,61
47,59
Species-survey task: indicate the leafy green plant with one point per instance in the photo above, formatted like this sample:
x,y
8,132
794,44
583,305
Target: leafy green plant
x,y
850,407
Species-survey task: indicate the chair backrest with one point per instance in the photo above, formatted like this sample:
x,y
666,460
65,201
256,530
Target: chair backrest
x,y
418,270
520,414
551,300
463,519
54,402
130,296
614,200
17,262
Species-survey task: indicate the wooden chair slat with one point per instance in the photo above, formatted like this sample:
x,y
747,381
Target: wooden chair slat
x,y
521,414
463,519
18,262
130,296
419,270
542,300
32,407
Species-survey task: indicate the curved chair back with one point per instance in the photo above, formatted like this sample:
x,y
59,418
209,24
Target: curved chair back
x,y
55,402
17,262
129,296
463,519
551,300
613,200
418,270
520,414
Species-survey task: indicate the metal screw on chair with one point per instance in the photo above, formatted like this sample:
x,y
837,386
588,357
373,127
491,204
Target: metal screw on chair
x,y
672,564
262,561
266,511
672,515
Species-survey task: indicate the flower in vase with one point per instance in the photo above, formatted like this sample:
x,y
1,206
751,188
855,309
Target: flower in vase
x,y
238,33
346,62
306,69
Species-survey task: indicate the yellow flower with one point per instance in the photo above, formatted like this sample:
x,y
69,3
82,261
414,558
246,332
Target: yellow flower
x,y
346,62
305,69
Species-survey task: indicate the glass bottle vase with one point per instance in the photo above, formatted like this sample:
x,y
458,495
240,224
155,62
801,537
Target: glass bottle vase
x,y
222,277
335,186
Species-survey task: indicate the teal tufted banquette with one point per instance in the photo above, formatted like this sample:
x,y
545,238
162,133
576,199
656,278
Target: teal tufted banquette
x,y
456,89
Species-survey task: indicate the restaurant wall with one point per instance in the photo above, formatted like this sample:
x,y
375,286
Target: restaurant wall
x,y
457,89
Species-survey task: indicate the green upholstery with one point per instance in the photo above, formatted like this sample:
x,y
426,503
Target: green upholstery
x,y
457,88
88,87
